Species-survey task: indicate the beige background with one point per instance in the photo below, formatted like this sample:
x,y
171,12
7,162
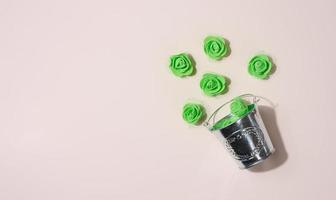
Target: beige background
x,y
90,110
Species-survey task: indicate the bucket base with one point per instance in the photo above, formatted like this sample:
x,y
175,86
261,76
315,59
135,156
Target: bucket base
x,y
254,161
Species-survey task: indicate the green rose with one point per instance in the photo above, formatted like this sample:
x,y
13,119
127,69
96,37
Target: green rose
x,y
192,113
212,84
238,107
215,47
260,66
181,65
224,122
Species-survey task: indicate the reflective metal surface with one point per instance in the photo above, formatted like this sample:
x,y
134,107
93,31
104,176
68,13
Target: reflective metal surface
x,y
247,140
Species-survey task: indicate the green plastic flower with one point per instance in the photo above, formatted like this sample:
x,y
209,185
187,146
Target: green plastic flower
x,y
232,118
215,47
212,84
224,122
238,107
260,66
181,65
192,113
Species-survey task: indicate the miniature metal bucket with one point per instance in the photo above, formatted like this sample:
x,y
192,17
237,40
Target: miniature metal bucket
x,y
247,139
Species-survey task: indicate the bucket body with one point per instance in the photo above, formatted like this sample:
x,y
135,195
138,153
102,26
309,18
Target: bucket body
x,y
246,140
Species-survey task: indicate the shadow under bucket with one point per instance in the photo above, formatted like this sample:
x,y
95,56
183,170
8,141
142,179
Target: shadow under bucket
x,y
246,139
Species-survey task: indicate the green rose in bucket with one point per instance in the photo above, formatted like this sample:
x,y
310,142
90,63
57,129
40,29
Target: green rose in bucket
x,y
260,66
238,107
215,47
181,65
212,84
192,113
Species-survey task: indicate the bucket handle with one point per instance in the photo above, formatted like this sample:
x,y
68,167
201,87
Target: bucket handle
x,y
256,99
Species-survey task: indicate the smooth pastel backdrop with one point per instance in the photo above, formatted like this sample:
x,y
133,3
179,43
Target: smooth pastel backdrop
x,y
90,110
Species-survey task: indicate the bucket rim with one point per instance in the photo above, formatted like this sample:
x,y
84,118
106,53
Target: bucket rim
x,y
255,100
252,107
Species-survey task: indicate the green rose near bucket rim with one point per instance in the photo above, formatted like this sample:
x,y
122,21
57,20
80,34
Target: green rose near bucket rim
x,y
212,84
181,65
192,113
238,107
260,66
215,47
